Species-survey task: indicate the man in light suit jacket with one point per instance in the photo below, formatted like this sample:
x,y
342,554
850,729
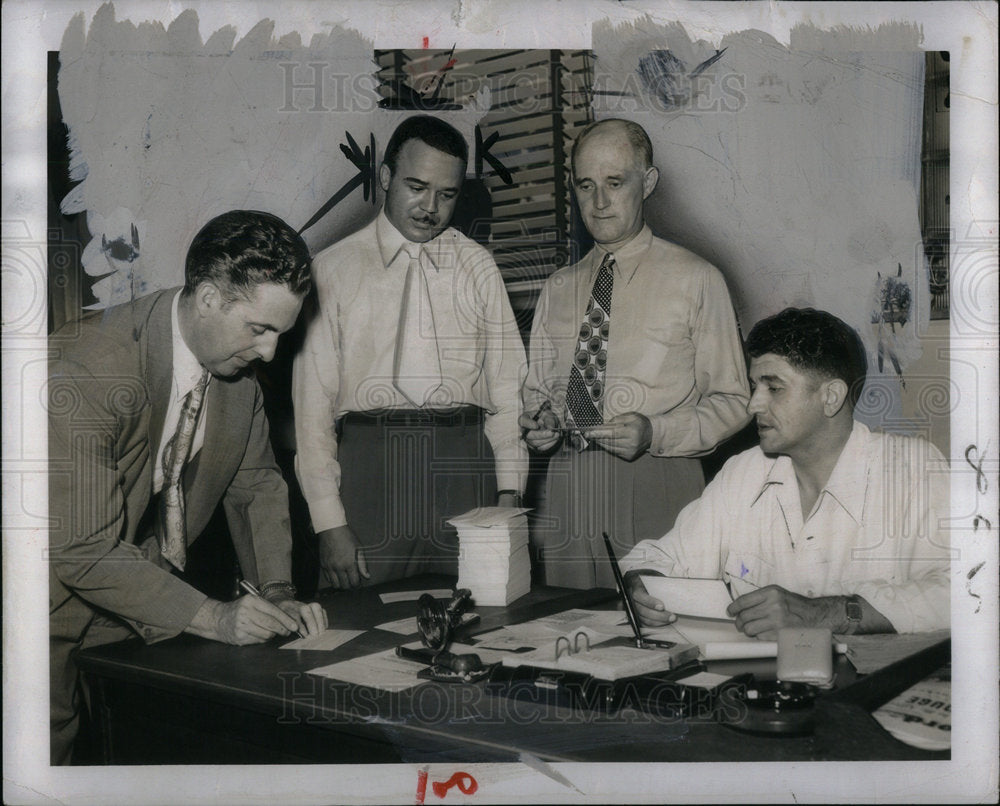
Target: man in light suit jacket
x,y
120,388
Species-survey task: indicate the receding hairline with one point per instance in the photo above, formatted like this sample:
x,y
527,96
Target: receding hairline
x,y
634,134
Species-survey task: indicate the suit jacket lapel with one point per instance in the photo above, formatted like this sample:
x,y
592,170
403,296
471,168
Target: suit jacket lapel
x,y
229,412
159,351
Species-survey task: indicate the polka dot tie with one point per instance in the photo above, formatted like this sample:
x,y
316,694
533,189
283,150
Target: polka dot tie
x,y
585,391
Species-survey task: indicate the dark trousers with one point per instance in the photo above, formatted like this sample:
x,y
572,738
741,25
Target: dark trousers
x,y
403,475
593,492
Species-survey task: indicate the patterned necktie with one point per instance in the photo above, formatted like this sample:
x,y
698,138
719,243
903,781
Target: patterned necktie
x,y
416,366
585,391
173,531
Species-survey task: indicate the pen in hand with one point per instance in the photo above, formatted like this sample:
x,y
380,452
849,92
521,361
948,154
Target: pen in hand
x,y
252,591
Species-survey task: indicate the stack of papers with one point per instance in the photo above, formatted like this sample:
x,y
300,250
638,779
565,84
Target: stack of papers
x,y
493,557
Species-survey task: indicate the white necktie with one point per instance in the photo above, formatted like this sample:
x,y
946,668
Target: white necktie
x,y
416,367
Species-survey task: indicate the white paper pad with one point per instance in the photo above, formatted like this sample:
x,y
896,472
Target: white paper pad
x,y
487,517
326,640
703,598
408,625
403,626
412,596
705,679
382,670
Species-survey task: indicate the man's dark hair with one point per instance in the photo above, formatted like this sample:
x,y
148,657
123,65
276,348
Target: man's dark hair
x,y
636,135
434,132
241,249
814,341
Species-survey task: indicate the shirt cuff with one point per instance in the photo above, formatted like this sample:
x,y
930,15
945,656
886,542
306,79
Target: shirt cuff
x,y
667,429
327,513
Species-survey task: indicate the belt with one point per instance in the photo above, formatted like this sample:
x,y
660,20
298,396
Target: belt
x,y
378,418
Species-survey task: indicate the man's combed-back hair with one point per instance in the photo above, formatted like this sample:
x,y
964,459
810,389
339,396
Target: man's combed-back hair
x,y
814,341
433,131
241,249
636,135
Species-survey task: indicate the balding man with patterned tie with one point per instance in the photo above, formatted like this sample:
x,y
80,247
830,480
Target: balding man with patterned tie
x,y
635,369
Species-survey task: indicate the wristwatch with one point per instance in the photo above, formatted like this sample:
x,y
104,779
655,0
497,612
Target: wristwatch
x,y
515,493
852,609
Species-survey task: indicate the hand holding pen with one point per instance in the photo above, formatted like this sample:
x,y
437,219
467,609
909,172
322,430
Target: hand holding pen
x,y
542,431
310,618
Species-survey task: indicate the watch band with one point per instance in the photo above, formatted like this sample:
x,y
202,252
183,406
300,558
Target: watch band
x,y
515,493
280,588
854,613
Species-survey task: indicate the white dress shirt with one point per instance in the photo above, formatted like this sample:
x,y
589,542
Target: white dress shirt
x,y
876,530
187,373
346,363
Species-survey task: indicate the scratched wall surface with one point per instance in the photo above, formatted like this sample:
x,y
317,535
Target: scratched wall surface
x,y
167,131
794,169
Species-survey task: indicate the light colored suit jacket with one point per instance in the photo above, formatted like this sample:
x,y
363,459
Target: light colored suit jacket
x,y
109,383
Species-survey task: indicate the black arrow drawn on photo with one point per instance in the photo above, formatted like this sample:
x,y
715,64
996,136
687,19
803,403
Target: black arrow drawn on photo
x,y
364,161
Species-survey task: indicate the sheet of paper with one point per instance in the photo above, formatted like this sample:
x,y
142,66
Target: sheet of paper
x,y
412,596
403,626
705,679
486,517
381,670
702,631
921,715
326,640
504,641
704,598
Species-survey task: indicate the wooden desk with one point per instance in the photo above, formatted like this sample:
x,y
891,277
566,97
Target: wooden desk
x,y
190,701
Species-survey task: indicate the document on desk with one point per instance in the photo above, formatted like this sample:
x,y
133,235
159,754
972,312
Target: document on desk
x,y
381,670
701,598
326,640
605,624
589,652
387,671
412,596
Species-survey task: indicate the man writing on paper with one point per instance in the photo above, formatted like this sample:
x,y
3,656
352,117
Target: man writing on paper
x,y
153,420
826,523
635,349
412,356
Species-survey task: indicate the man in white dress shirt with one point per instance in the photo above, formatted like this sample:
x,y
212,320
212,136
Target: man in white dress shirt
x,y
412,357
826,523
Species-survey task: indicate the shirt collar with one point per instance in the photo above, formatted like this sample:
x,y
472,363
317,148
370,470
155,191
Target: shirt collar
x,y
848,481
391,241
187,369
627,257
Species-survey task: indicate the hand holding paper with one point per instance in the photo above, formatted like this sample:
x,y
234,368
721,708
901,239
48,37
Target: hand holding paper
x,y
700,598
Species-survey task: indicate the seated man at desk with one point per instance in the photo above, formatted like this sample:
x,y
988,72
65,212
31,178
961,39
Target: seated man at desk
x,y
825,523
154,419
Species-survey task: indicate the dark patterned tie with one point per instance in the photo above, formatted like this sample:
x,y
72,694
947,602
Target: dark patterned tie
x,y
585,391
173,531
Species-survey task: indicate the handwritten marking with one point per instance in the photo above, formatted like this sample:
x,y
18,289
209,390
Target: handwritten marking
x,y
466,784
421,785
981,483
